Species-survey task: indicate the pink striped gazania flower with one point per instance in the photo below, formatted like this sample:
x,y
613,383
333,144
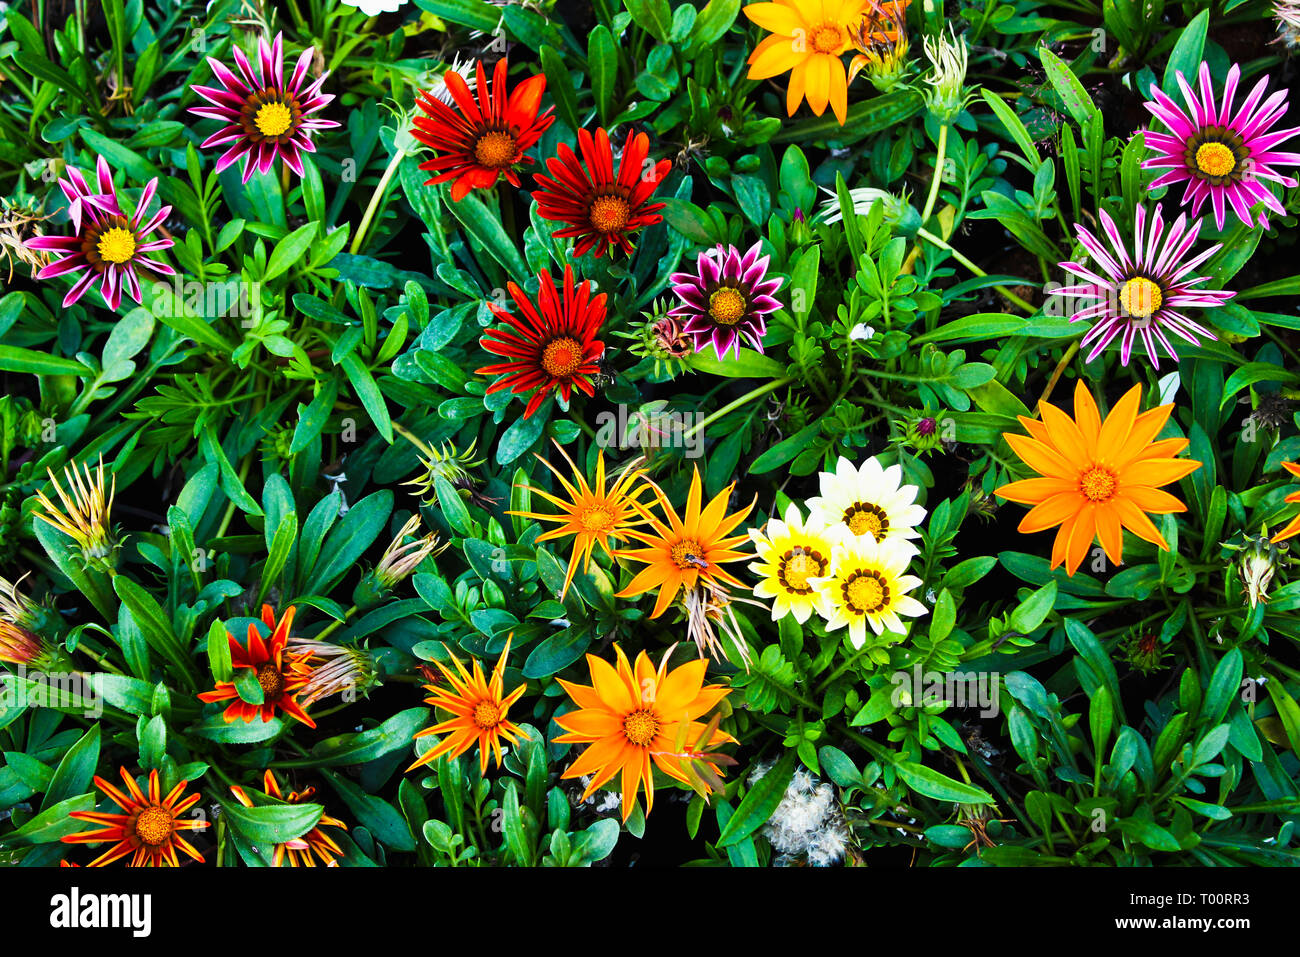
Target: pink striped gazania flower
x,y
1221,155
104,245
264,116
1140,294
726,300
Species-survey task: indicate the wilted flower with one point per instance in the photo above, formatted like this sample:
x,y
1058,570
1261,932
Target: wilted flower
x,y
331,669
84,518
808,824
946,96
661,338
401,558
707,604
1286,13
1256,565
20,638
881,38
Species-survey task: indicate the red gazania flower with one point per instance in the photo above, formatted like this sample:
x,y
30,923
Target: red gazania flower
x,y
148,828
556,346
483,141
602,209
281,676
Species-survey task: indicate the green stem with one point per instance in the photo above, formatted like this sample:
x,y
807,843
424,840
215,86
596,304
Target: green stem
x,y
335,625
738,403
1003,290
375,198
937,179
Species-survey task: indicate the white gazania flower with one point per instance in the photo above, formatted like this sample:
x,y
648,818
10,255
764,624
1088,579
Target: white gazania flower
x,y
868,587
790,554
372,8
870,500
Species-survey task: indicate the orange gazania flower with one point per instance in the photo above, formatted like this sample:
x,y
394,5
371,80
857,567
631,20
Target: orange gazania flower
x,y
1294,527
482,141
685,551
808,37
592,513
602,209
300,850
632,716
478,712
554,347
1097,478
281,676
148,827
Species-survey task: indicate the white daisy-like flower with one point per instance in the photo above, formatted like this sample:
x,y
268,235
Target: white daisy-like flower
x,y
871,500
869,587
372,8
790,553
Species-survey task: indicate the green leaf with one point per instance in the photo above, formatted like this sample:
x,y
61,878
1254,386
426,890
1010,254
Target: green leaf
x,y
602,67
1077,101
1186,56
15,359
289,250
271,824
74,772
560,86
51,824
485,226
938,786
653,16
373,400
467,13
759,802
347,749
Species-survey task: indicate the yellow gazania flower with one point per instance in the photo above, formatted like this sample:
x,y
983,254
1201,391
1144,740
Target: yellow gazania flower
x,y
301,851
685,550
790,554
868,586
592,513
84,517
1293,527
808,38
1097,478
478,708
631,716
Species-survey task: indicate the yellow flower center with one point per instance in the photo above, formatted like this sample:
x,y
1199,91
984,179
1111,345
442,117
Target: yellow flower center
x,y
799,565
827,38
495,149
727,306
154,825
596,519
863,518
866,593
1140,297
640,727
687,554
487,715
609,213
117,245
1215,159
271,680
1098,484
273,119
562,357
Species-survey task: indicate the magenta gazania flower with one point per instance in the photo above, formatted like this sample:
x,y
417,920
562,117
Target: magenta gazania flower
x,y
264,116
1141,294
105,245
1221,155
727,299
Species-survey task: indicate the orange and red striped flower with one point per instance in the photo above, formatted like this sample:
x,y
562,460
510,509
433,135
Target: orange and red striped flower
x,y
281,676
147,828
602,208
481,142
553,347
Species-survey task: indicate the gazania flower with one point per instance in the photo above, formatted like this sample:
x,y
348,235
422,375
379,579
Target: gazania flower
x,y
478,708
631,717
1293,527
21,642
727,300
808,39
1097,477
281,676
301,851
1225,156
684,551
331,669
264,116
84,517
593,514
602,208
148,829
484,141
1142,293
867,585
791,554
104,244
871,500
553,347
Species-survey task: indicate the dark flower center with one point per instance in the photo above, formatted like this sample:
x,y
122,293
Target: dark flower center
x,y
271,115
797,566
866,592
272,682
